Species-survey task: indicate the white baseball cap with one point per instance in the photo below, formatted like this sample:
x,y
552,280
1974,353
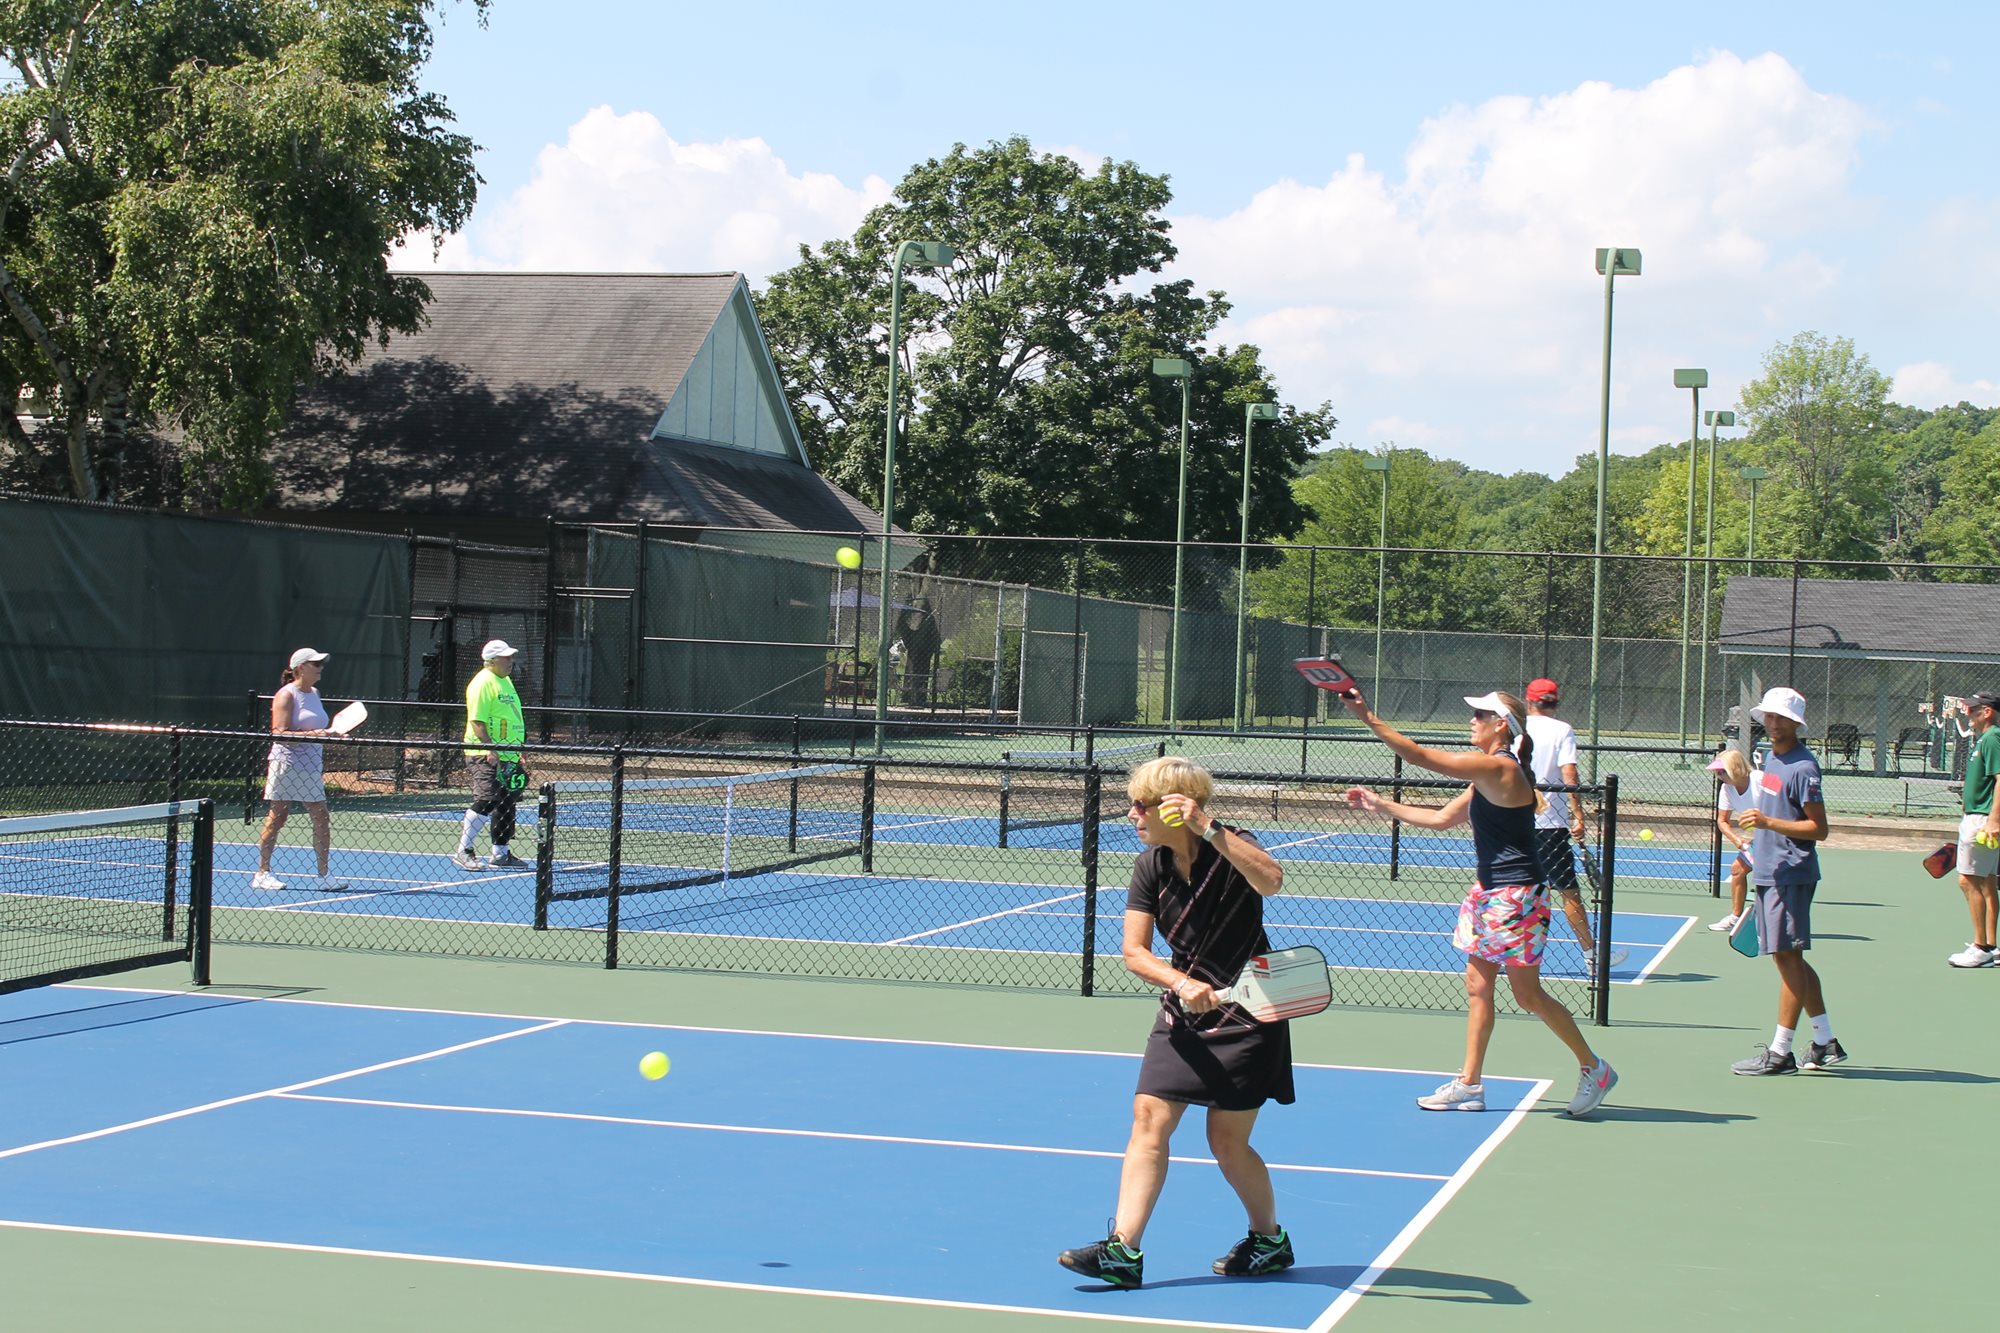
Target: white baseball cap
x,y
497,648
305,655
1783,701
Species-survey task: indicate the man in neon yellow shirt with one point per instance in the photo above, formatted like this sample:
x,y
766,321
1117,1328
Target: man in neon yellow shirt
x,y
493,718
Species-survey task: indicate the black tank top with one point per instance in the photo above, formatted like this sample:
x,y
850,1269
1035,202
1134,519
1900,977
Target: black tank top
x,y
1503,840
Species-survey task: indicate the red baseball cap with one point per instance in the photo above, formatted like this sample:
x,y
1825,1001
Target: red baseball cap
x,y
1542,690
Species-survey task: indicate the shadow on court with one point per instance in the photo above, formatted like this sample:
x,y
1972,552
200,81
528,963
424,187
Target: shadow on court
x,y
96,1018
1847,1072
1456,1288
1665,1115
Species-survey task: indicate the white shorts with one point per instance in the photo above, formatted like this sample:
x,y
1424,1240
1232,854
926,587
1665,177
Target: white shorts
x,y
1979,862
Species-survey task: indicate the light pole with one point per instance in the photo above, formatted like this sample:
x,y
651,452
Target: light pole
x,y
1380,463
922,254
1252,414
1613,264
1177,368
1715,421
1753,475
1696,380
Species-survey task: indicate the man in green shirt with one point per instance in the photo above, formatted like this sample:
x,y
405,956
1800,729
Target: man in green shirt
x,y
1979,833
493,718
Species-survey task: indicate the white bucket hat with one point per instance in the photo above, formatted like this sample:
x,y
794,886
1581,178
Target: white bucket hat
x,y
1783,701
497,648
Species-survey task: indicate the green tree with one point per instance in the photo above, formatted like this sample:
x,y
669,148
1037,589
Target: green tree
x,y
1965,526
198,203
1814,417
1030,405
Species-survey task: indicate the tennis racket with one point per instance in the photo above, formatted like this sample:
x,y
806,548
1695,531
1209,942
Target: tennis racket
x,y
1281,984
1743,936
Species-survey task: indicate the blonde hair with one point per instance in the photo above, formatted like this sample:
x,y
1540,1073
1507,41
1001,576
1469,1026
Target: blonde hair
x,y
1170,775
1735,766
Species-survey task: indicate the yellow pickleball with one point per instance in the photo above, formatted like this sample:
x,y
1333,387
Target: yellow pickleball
x,y
848,557
1172,818
1645,835
654,1065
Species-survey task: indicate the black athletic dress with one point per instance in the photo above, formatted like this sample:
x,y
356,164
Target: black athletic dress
x,y
1213,922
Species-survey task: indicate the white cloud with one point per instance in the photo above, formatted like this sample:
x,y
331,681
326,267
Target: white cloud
x,y
622,195
1460,290
1932,384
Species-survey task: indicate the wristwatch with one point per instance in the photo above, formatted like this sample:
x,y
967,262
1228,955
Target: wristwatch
x,y
1213,831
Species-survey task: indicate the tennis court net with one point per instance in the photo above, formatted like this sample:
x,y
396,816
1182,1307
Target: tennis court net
x,y
645,835
1042,789
99,891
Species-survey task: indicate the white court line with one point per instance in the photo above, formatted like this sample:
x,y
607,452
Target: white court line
x,y
1408,1235
409,886
1025,908
841,1135
666,1279
273,1092
1667,948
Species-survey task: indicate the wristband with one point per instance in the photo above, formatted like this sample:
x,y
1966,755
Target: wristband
x,y
1180,986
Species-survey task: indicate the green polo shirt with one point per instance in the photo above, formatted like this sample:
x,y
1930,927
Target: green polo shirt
x,y
494,701
1980,770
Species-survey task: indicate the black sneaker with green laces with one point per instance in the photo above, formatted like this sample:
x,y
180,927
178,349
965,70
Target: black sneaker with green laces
x,y
1256,1255
1111,1261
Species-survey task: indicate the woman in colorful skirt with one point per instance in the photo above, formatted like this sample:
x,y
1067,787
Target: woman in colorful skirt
x,y
1504,920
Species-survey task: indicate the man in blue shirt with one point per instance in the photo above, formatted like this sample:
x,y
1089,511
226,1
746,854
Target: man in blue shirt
x,y
1789,822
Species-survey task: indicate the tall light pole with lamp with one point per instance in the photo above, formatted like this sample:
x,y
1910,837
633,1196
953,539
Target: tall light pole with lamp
x,y
1714,422
1380,463
1753,475
1252,414
1177,368
1613,263
1696,380
922,254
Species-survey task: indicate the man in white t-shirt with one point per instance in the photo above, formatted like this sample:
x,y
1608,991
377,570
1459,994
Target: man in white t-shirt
x,y
1561,818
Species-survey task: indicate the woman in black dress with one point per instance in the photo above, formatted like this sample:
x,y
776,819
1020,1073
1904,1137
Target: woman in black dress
x,y
1202,886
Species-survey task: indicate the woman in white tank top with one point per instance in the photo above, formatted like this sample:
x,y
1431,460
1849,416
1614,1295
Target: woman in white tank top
x,y
293,773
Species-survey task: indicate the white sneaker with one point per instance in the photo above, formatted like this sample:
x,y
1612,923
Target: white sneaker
x,y
1591,1086
1456,1096
329,884
465,860
1726,924
1972,956
266,881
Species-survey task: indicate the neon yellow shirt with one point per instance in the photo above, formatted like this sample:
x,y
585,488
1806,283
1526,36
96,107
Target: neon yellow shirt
x,y
494,701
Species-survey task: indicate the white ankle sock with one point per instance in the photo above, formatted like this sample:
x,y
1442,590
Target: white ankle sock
x,y
1781,1043
1822,1029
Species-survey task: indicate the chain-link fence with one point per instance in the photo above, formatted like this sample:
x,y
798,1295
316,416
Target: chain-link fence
x,y
997,872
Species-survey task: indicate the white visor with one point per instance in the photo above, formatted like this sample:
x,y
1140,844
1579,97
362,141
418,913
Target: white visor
x,y
1493,703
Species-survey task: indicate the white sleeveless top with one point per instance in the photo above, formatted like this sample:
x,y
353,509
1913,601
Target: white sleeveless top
x,y
308,714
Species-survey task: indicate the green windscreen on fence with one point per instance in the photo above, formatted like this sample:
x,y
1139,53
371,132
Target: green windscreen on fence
x,y
126,614
1109,660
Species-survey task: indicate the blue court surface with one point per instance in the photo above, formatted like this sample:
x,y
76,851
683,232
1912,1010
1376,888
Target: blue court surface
x,y
916,912
846,1167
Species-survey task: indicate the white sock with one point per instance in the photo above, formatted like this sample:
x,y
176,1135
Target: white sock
x,y
1781,1044
1822,1029
474,821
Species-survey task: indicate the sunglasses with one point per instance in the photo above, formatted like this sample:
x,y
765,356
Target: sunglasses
x,y
1483,715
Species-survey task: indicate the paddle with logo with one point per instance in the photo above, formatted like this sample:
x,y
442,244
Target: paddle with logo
x,y
1281,984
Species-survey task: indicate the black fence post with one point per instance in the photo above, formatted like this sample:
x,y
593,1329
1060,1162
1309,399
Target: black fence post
x,y
1312,693
1792,649
1396,826
545,853
616,855
173,831
1076,654
1715,844
868,780
549,631
201,891
1093,796
1600,990
635,675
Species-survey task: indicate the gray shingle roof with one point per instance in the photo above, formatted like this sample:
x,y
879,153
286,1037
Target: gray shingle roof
x,y
1862,618
528,394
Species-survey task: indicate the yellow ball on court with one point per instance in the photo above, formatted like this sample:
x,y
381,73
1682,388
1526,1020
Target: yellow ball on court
x,y
1645,835
848,557
654,1064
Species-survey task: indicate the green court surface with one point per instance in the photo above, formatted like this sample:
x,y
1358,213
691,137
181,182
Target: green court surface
x,y
1849,1199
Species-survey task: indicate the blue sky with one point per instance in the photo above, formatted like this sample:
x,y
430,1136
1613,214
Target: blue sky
x,y
1402,205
